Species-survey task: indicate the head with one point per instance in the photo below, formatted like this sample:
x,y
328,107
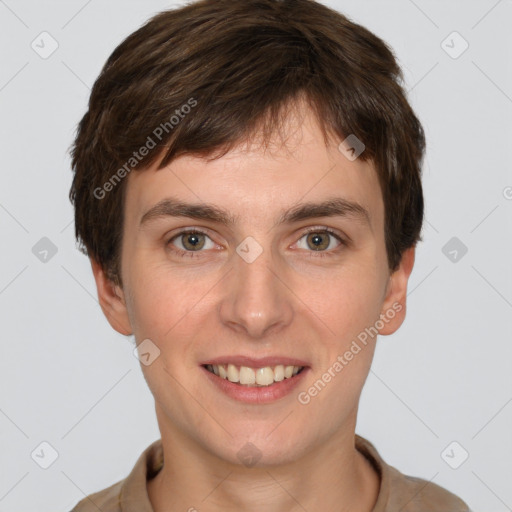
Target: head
x,y
225,118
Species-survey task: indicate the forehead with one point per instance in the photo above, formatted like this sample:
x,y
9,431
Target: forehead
x,y
255,183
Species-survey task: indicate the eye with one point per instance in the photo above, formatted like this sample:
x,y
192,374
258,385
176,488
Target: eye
x,y
190,242
320,240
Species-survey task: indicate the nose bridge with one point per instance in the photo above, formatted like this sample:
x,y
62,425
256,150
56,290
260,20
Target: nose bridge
x,y
255,299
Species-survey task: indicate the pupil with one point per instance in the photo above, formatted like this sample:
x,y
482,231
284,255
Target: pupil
x,y
193,241
316,239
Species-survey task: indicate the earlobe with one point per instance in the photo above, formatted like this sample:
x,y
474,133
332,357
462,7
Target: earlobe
x,y
112,300
394,306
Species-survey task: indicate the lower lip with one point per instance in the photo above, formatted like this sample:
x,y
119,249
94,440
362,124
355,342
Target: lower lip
x,y
256,395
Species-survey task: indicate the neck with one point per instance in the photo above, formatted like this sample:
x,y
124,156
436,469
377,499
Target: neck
x,y
334,476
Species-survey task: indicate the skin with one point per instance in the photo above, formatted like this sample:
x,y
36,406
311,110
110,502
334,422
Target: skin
x,y
285,302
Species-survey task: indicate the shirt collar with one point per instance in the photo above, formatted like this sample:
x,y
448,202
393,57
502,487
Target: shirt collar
x,y
134,493
372,455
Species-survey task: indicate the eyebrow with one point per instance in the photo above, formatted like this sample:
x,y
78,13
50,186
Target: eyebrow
x,y
332,207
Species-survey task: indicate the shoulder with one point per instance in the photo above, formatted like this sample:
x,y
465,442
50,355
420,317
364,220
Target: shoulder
x,y
405,493
413,494
131,492
106,500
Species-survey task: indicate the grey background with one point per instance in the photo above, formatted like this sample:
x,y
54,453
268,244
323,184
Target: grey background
x,y
68,379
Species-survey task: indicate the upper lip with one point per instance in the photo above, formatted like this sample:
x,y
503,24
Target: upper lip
x,y
255,362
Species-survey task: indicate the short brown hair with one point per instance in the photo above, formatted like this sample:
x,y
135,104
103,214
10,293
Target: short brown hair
x,y
242,62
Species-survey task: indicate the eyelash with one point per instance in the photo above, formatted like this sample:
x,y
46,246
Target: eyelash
x,y
313,254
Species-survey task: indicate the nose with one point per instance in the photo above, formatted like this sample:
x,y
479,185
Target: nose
x,y
256,299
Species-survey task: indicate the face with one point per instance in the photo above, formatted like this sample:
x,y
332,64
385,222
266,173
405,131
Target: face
x,y
272,279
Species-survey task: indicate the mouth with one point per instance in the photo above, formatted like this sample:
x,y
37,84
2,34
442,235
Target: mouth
x,y
254,377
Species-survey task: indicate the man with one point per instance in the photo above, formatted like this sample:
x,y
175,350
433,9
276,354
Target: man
x,y
247,186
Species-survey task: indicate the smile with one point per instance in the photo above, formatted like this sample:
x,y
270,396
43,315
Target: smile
x,y
257,386
254,377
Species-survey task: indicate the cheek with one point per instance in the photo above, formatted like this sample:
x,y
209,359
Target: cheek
x,y
168,307
153,306
164,313
160,297
348,302
349,306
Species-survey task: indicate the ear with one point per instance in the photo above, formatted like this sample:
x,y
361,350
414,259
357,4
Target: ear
x,y
112,301
394,306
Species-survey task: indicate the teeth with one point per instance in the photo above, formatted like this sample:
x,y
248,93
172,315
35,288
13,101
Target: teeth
x,y
264,376
279,373
247,375
254,377
233,373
